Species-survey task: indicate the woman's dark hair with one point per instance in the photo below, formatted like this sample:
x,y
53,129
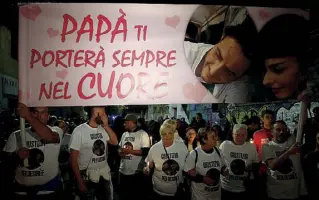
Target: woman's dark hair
x,y
189,128
186,137
285,35
192,30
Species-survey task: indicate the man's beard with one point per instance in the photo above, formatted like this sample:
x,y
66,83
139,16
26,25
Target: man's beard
x,y
98,120
282,138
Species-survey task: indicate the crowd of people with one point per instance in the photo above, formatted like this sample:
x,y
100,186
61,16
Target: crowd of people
x,y
163,159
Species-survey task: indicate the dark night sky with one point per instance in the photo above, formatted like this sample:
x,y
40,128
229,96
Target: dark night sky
x,y
9,18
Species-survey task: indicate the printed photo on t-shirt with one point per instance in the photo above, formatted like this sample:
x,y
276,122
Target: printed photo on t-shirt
x,y
286,167
35,160
214,174
170,167
98,148
238,167
128,146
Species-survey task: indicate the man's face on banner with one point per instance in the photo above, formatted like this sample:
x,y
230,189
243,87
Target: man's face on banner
x,y
225,62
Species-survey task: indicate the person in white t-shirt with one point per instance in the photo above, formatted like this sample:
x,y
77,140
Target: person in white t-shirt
x,y
88,146
134,146
204,165
285,178
224,64
38,177
166,159
239,156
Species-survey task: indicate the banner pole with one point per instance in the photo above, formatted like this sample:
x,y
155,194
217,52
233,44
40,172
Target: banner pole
x,y
23,139
302,119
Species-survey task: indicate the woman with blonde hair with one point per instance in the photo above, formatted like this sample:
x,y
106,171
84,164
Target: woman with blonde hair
x,y
166,160
173,123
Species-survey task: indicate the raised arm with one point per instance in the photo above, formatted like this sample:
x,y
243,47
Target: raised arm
x,y
44,132
112,136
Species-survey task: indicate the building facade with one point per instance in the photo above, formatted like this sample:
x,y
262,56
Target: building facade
x,y
8,72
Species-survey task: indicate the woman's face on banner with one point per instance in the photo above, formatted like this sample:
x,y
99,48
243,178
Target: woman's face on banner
x,y
225,62
282,76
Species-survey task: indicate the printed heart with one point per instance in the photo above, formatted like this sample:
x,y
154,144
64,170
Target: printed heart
x,y
62,74
52,33
195,92
172,21
263,14
30,12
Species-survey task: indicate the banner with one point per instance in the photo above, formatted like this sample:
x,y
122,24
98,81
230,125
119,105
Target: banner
x,y
120,54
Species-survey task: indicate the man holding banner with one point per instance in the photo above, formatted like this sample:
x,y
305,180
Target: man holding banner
x,y
38,179
285,178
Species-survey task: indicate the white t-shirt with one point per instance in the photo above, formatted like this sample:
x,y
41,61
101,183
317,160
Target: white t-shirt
x,y
167,173
65,142
130,164
43,161
284,182
190,146
237,158
92,146
208,164
237,91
